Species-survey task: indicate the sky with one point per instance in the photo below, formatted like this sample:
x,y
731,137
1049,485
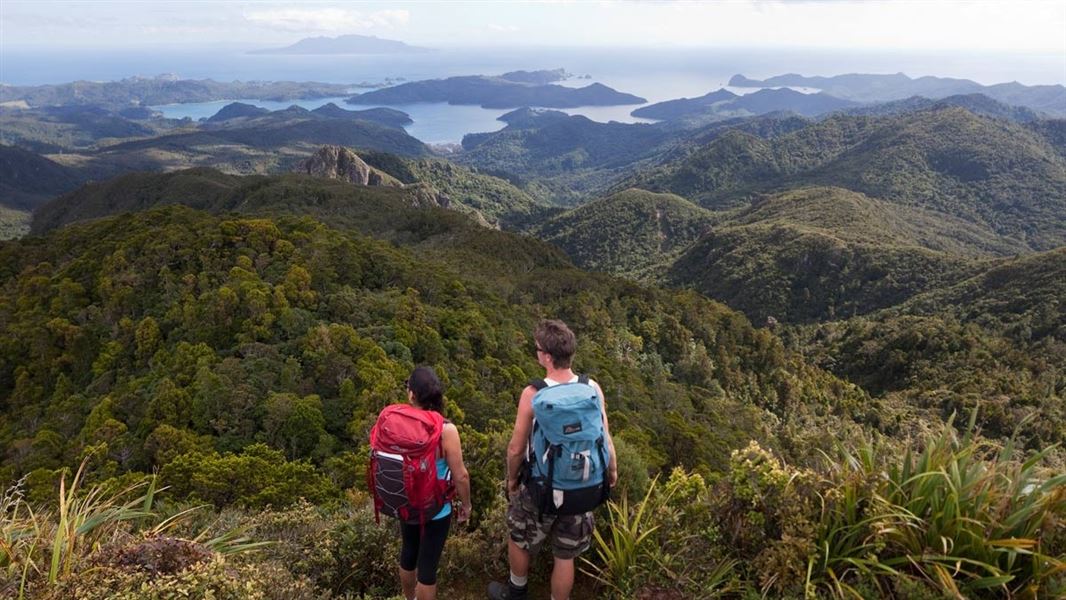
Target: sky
x,y
1034,26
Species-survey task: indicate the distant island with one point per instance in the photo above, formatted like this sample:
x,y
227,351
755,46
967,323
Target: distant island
x,y
724,104
164,89
881,88
682,107
345,44
238,110
511,90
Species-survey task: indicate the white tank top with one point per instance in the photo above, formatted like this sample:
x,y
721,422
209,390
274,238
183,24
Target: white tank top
x,y
552,382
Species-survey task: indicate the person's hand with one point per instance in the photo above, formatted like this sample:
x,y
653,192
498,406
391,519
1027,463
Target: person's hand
x,y
612,477
512,488
463,514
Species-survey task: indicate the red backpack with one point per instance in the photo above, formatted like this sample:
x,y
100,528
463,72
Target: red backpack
x,y
404,446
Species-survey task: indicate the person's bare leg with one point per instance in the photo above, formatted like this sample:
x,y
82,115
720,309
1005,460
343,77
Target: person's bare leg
x,y
562,578
426,592
518,559
408,579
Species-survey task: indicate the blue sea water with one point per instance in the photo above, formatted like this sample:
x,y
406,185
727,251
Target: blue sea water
x,y
655,74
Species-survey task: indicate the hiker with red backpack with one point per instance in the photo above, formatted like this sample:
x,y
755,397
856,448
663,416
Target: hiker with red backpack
x,y
416,469
561,465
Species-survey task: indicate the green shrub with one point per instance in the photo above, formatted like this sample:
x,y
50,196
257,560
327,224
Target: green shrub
x,y
258,476
364,553
215,579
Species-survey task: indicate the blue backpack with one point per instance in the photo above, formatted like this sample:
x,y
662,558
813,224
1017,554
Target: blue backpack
x,y
568,454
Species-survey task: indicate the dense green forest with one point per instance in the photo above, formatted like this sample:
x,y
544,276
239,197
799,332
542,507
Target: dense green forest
x,y
994,173
631,232
346,281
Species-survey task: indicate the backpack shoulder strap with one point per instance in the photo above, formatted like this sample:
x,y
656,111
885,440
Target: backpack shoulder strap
x,y
538,384
583,379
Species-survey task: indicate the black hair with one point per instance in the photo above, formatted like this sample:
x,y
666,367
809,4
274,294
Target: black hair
x,y
427,388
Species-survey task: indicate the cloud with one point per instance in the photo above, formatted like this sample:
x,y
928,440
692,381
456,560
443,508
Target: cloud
x,y
326,19
503,28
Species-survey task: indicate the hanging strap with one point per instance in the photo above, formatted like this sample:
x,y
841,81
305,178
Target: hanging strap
x,y
548,492
372,486
606,471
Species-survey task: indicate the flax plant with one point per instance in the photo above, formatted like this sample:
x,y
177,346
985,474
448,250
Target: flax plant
x,y
50,545
621,556
970,521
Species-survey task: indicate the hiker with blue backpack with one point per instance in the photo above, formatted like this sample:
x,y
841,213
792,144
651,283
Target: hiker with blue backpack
x,y
561,465
416,470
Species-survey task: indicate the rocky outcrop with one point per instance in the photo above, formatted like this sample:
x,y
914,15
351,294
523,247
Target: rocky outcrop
x,y
423,195
338,162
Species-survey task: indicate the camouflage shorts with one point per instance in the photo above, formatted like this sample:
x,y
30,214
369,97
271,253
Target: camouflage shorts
x,y
570,534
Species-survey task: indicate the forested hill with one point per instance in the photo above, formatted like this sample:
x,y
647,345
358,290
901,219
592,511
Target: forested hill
x,y
631,233
28,179
426,182
998,174
821,253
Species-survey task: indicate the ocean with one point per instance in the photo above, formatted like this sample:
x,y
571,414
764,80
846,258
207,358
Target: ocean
x,y
656,74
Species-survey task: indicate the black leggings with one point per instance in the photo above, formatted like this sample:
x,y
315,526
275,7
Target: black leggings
x,y
422,547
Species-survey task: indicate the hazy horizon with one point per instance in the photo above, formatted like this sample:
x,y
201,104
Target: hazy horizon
x,y
45,42
1036,26
227,62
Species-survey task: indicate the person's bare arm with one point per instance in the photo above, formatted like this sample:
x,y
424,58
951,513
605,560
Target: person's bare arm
x,y
517,447
612,467
453,455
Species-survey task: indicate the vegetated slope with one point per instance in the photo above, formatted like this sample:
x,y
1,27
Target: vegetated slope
x,y
631,233
272,143
28,179
149,91
680,107
994,342
60,128
978,104
1052,130
1025,297
160,336
491,199
427,182
264,118
207,189
855,217
14,223
385,116
997,174
197,188
237,110
879,88
821,253
725,104
494,200
566,156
